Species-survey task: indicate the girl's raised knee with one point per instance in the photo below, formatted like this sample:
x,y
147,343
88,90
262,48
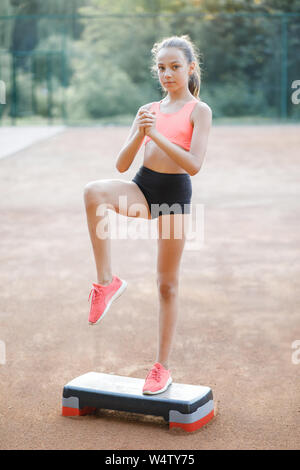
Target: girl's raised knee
x,y
94,193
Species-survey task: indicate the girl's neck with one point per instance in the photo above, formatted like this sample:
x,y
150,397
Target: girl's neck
x,y
178,97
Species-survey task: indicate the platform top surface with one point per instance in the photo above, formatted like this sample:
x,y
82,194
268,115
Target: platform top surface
x,y
130,386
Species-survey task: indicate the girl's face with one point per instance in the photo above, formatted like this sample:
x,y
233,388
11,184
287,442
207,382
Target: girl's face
x,y
173,69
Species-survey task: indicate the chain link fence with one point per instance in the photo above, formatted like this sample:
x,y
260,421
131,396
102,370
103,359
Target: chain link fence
x,y
82,68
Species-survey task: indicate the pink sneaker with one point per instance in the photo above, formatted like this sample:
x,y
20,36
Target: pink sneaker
x,y
157,380
103,297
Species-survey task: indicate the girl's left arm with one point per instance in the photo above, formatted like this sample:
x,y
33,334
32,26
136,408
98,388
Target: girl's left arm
x,y
191,161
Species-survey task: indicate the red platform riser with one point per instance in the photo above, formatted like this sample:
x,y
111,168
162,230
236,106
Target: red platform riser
x,y
66,411
190,427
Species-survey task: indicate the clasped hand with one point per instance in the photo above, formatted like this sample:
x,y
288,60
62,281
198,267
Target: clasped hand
x,y
146,122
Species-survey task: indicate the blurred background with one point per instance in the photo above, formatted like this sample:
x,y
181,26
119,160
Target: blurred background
x,y
88,62
72,76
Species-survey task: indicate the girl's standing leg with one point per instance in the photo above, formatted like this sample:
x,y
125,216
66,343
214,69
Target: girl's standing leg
x,y
169,255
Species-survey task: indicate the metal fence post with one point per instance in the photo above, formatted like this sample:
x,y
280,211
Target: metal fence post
x,y
13,107
49,87
284,65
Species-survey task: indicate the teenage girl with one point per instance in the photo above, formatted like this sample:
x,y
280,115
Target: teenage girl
x,y
176,130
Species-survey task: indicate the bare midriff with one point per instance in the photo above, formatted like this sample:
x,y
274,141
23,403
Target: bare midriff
x,y
157,160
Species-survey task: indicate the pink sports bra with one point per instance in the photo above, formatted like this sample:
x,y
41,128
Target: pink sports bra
x,y
175,126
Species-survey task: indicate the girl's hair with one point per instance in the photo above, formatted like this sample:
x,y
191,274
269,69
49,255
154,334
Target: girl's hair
x,y
191,53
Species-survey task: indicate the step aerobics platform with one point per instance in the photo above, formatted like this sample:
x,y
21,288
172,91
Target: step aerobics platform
x,y
185,406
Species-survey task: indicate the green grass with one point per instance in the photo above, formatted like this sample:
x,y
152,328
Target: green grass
x,y
126,120
120,120
254,120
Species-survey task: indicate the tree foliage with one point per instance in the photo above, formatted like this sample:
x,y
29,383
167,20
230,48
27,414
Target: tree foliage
x,y
100,50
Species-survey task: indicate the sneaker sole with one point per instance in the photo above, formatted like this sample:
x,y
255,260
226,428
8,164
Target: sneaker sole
x,y
114,297
147,392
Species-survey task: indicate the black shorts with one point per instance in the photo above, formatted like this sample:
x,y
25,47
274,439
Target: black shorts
x,y
166,193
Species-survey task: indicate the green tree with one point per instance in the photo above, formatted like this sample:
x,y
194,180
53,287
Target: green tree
x,y
24,35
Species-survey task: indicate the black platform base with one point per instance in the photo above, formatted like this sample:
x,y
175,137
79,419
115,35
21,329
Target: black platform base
x,y
186,406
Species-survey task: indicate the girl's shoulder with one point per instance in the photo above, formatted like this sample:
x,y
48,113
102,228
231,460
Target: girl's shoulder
x,y
203,105
201,111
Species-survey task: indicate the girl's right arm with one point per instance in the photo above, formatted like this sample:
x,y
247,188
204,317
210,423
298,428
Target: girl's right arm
x,y
132,144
